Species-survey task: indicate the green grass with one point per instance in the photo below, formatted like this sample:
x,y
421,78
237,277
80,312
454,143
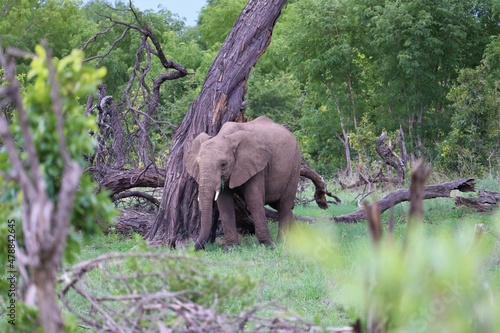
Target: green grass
x,y
302,285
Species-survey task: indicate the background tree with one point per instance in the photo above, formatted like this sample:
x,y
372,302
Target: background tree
x,y
25,23
393,61
217,19
473,145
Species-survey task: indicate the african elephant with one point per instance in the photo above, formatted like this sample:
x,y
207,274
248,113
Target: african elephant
x,y
259,160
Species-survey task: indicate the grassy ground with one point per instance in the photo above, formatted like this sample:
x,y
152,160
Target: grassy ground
x,y
306,286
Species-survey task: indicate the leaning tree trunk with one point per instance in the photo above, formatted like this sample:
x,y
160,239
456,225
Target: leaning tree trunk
x,y
220,100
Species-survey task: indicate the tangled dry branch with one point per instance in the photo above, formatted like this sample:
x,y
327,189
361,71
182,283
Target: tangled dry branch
x,y
140,97
147,298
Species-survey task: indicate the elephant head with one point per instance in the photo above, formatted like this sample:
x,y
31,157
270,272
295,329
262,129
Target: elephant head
x,y
224,160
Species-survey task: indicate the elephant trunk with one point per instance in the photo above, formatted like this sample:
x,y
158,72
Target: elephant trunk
x,y
207,195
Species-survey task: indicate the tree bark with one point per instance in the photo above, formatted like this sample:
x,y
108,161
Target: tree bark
x,y
220,100
394,198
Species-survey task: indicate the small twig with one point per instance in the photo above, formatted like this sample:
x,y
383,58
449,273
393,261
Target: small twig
x,y
359,201
97,306
111,47
94,37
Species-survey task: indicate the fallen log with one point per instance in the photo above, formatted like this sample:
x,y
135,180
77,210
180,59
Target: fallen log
x,y
486,202
432,191
137,194
134,221
118,180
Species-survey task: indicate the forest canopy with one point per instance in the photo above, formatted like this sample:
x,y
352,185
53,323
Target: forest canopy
x,y
338,72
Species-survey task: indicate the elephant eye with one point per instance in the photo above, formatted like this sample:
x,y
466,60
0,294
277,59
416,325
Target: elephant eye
x,y
223,164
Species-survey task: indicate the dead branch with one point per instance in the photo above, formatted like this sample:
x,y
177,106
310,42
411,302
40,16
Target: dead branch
x,y
111,47
116,180
486,202
128,194
94,37
147,309
389,156
321,191
433,191
134,221
144,115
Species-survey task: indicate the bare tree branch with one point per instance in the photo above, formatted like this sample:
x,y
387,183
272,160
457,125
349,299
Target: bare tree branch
x,y
173,69
396,197
94,37
144,195
112,46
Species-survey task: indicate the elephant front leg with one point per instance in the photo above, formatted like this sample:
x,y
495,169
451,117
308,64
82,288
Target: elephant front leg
x,y
225,204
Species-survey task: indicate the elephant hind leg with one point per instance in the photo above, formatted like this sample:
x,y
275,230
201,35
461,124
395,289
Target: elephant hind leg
x,y
286,220
285,205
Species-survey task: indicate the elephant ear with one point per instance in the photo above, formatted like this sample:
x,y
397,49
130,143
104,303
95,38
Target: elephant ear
x,y
251,156
191,155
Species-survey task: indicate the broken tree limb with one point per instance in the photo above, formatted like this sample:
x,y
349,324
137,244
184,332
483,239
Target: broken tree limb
x,y
117,181
139,194
433,191
486,202
389,156
131,220
321,191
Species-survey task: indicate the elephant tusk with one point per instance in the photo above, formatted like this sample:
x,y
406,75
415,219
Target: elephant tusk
x,y
198,198
216,195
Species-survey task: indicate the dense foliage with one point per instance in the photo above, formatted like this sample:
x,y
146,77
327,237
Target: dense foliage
x,y
429,67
